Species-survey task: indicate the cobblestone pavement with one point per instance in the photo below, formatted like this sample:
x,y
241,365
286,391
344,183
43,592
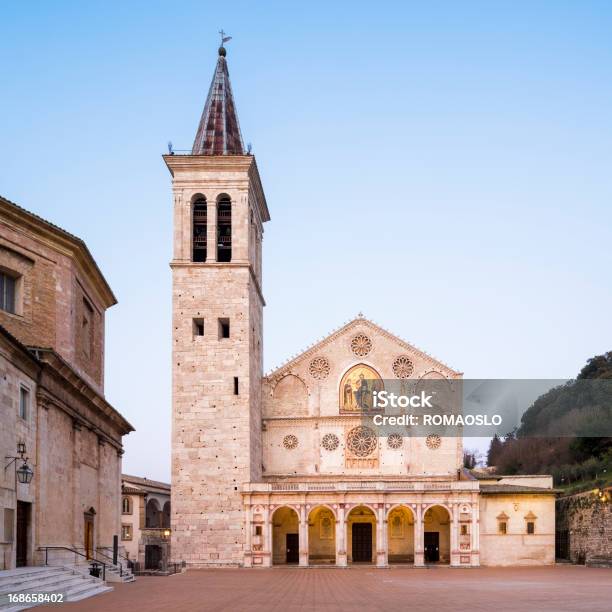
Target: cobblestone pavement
x,y
365,588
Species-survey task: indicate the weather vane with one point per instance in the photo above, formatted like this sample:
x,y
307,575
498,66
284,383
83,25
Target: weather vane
x,y
224,38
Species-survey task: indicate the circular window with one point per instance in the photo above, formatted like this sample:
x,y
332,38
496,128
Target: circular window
x,y
361,441
395,441
403,367
330,442
361,345
433,441
290,442
319,367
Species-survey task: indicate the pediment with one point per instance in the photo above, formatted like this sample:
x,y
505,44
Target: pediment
x,y
361,341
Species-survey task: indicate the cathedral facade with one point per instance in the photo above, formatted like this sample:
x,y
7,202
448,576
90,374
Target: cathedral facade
x,y
281,469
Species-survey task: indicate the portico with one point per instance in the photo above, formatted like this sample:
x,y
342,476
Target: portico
x,y
362,522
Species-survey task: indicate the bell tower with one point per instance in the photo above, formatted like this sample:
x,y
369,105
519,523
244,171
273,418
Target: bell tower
x,y
217,312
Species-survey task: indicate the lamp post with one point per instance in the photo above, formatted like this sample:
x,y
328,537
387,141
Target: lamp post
x,y
23,474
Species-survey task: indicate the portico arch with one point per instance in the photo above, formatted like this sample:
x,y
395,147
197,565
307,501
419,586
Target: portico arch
x,y
361,534
400,534
436,536
321,536
153,514
285,536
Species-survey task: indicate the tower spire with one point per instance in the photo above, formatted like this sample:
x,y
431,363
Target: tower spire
x,y
219,130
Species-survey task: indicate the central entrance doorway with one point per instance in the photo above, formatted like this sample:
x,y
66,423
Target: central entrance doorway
x,y
362,542
23,528
432,547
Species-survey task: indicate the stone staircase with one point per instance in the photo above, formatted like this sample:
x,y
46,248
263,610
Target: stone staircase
x,y
68,580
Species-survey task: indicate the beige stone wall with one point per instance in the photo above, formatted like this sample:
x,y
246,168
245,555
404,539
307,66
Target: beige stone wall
x,y
216,433
297,403
517,547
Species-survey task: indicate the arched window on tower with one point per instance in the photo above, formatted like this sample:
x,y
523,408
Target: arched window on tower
x,y
199,229
224,228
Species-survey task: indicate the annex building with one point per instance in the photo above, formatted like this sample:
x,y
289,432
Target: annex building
x,y
280,468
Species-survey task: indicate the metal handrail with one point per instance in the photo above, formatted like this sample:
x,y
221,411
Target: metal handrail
x,y
74,550
111,559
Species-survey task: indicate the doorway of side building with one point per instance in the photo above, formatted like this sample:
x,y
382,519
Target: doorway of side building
x,y
400,535
436,538
24,513
285,536
88,532
361,526
153,557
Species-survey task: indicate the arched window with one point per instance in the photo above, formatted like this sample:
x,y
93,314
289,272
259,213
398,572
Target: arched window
x,y
224,228
199,229
126,506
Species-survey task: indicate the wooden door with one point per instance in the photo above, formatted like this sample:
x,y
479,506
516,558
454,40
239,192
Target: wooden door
x,y
362,542
293,548
23,528
88,533
432,546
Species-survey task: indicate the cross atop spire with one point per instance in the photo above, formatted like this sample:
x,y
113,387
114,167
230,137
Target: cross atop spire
x,y
219,130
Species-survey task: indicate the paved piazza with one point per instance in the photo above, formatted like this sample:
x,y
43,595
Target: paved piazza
x,y
364,588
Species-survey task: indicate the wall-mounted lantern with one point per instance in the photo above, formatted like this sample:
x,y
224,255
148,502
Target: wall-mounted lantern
x,y
23,474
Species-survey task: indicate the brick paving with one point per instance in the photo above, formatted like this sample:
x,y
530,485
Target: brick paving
x,y
572,588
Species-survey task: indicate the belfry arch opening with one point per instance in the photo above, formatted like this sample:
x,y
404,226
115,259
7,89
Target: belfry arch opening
x,y
224,228
361,535
285,536
321,536
200,228
436,536
400,535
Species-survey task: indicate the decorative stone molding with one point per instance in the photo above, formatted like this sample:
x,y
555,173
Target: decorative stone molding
x,y
433,441
403,367
361,345
290,442
395,441
330,442
319,368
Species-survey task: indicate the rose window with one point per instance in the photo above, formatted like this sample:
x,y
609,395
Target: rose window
x,y
403,367
395,441
361,345
361,441
290,442
433,441
319,367
330,442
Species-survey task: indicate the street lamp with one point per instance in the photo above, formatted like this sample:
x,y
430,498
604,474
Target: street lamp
x,y
24,474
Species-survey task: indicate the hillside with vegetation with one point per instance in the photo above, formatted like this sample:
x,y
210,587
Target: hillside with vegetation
x,y
561,432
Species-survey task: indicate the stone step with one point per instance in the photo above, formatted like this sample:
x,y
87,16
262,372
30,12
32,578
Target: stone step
x,y
74,583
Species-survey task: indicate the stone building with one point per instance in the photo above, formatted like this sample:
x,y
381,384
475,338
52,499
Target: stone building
x,y
145,522
281,468
53,412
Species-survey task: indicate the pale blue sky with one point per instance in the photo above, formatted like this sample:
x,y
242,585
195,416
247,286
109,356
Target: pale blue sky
x,y
445,167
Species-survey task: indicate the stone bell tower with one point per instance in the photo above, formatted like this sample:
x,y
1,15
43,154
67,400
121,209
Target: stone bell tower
x,y
217,308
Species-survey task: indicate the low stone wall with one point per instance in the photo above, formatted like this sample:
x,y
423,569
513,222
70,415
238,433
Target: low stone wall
x,y
584,527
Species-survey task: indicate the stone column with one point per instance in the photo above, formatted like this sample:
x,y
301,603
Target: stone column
x,y
419,553
341,538
268,552
211,230
248,533
303,536
454,552
381,538
475,534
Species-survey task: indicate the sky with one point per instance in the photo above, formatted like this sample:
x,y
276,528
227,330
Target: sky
x,y
443,167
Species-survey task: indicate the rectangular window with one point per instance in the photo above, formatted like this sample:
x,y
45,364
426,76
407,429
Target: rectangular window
x,y
24,402
235,385
87,329
7,292
126,532
530,527
503,527
464,530
258,530
224,328
198,327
